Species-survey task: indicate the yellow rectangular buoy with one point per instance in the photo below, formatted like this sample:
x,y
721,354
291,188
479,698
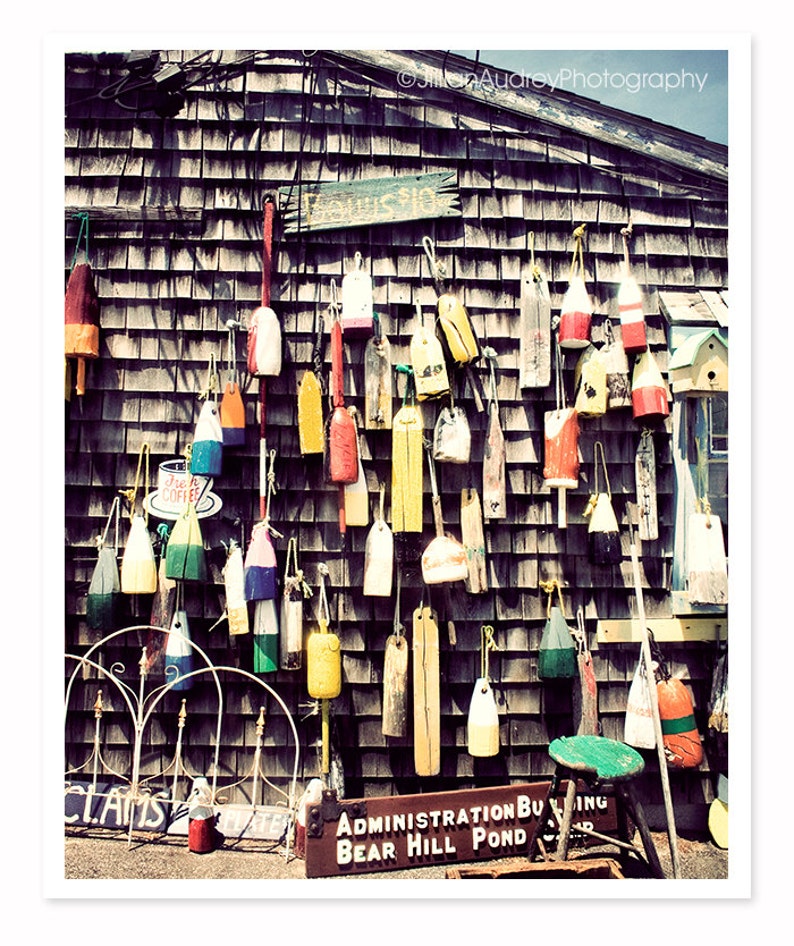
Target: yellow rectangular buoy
x,y
407,448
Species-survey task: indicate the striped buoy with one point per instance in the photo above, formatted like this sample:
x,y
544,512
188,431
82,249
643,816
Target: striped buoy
x,y
557,651
648,391
259,567
357,311
207,456
81,311
638,726
632,319
185,559
343,465
265,636
102,604
201,818
575,315
179,652
232,408
234,588
138,568
291,629
682,746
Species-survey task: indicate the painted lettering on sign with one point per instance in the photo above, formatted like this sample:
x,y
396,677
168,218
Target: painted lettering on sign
x,y
111,806
332,206
416,830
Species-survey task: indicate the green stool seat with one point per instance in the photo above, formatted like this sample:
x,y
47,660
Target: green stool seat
x,y
607,759
596,761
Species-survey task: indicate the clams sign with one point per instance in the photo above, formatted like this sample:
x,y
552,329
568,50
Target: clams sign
x,y
334,206
398,832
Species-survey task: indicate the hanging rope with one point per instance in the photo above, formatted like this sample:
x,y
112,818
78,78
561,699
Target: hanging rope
x,y
324,611
598,448
296,579
490,354
101,540
83,218
397,625
212,379
437,270
626,234
550,587
487,644
131,494
578,253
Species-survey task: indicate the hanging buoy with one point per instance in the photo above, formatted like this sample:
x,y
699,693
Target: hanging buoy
x,y
342,434
357,311
264,329
645,483
561,453
471,529
616,365
649,398
452,436
603,534
207,452
291,630
638,727
444,559
138,568
379,556
179,652
201,818
234,588
577,310
81,311
453,325
232,408
395,676
260,569
323,663
378,385
706,562
482,724
427,707
682,746
585,696
185,559
103,602
407,449
590,384
356,494
427,360
534,358
265,636
310,414
494,471
557,652
630,307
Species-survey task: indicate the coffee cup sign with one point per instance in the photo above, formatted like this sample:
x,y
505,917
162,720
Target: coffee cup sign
x,y
175,488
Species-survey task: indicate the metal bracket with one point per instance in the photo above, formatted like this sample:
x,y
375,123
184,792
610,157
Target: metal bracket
x,y
330,809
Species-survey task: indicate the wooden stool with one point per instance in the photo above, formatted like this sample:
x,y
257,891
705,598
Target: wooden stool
x,y
597,761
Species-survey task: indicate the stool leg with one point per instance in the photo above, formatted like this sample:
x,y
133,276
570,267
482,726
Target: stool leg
x,y
567,818
629,797
544,816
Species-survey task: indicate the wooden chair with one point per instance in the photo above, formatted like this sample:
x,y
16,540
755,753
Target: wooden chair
x,y
598,762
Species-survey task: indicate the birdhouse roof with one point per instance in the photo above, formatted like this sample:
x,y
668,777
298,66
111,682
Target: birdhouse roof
x,y
687,351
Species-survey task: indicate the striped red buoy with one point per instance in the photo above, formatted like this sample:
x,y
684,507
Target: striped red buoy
x,y
682,746
201,818
575,315
648,390
632,319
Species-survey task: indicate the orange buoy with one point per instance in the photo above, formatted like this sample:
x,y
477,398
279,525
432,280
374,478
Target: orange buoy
x,y
682,746
648,390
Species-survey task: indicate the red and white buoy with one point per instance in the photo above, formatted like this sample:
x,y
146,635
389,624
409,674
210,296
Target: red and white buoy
x,y
630,307
201,818
577,310
649,398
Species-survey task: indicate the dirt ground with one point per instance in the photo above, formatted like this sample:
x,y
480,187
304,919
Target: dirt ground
x,y
95,854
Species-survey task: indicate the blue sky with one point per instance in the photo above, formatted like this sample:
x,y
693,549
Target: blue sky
x,y
685,88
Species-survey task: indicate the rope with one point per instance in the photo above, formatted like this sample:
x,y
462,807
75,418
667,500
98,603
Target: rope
x,y
397,626
578,254
437,270
487,644
115,506
83,218
549,587
212,379
297,579
599,448
131,494
324,609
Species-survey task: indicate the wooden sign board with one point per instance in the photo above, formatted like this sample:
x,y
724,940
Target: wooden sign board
x,y
405,831
336,206
110,806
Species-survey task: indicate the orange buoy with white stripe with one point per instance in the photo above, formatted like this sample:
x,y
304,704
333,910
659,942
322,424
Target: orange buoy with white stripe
x,y
682,746
648,389
632,319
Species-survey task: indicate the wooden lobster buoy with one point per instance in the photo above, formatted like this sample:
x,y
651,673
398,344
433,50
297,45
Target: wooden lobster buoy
x,y
638,727
706,563
407,450
603,533
378,384
557,652
81,320
561,454
185,559
534,359
645,482
357,311
682,746
291,624
264,330
342,434
494,472
427,708
453,325
576,311
356,494
310,401
427,360
232,408
648,391
616,365
379,556
444,559
179,653
102,603
452,436
471,529
590,384
234,587
207,456
395,686
138,568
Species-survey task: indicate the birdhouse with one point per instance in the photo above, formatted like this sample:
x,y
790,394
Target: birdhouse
x,y
700,365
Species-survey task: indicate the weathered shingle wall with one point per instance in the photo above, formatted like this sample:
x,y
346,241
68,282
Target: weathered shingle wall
x,y
175,209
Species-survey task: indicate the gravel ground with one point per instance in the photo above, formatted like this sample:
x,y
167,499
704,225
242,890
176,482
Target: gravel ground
x,y
94,854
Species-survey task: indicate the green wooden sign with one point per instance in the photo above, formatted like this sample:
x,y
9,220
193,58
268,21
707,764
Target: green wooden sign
x,y
336,206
